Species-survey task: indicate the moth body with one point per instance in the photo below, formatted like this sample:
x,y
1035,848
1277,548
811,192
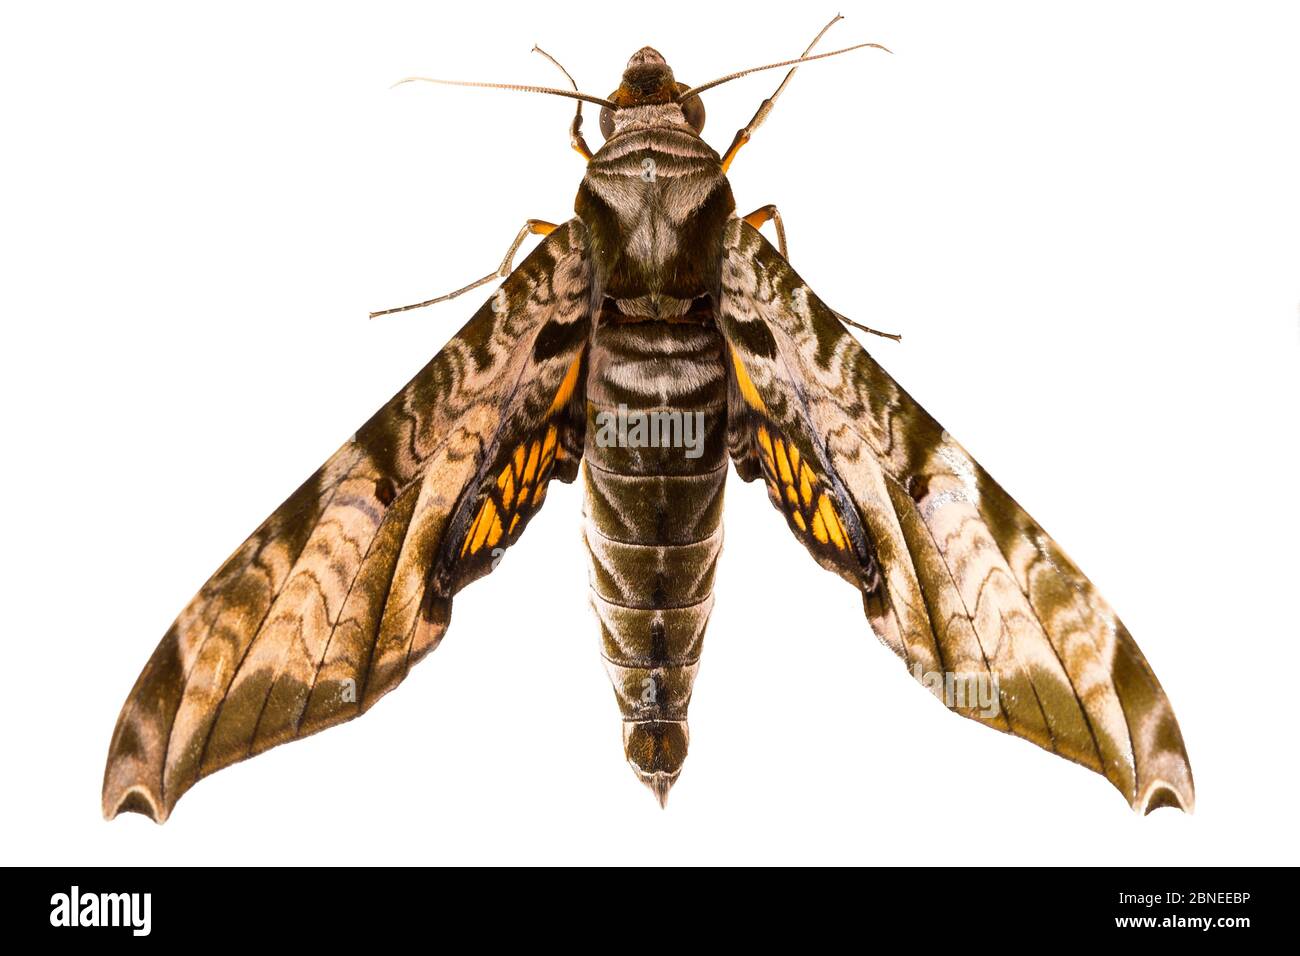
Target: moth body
x,y
656,456
653,475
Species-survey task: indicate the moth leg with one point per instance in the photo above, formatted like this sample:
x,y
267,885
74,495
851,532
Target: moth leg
x,y
769,213
765,214
746,132
535,227
576,139
865,328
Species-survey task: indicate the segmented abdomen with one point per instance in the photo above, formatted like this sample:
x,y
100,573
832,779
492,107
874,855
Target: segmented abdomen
x,y
654,468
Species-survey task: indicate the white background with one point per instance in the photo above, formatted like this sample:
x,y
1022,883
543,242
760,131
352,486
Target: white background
x,y
1085,220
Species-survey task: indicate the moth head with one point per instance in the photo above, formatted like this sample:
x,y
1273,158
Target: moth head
x,y
648,81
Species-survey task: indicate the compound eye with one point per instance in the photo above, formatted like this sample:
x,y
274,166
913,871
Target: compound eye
x,y
694,112
606,122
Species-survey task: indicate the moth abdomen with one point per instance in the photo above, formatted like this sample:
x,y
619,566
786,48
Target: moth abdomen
x,y
654,469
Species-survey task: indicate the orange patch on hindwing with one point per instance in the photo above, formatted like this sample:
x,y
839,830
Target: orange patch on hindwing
x,y
799,491
520,486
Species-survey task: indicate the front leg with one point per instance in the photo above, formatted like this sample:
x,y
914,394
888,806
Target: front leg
x,y
769,213
536,227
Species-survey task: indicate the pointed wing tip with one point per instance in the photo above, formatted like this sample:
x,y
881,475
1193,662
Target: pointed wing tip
x,y
135,799
1161,793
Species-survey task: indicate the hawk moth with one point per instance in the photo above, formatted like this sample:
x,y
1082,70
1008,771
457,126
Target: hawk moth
x,y
655,304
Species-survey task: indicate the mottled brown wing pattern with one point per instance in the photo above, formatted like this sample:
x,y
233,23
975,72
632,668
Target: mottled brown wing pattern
x,y
328,604
956,578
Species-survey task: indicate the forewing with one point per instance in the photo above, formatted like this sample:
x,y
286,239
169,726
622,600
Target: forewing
x,y
349,582
956,578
